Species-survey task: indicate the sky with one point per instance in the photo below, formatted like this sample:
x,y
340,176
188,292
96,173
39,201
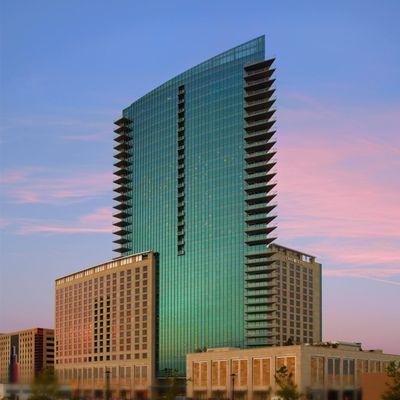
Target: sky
x,y
68,68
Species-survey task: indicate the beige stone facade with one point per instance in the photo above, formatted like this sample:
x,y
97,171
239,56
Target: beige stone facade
x,y
325,372
23,354
105,323
298,298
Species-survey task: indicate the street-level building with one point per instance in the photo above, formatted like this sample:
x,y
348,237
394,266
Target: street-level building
x,y
15,391
104,328
298,296
326,371
24,354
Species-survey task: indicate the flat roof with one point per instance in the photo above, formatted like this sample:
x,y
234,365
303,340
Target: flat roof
x,y
290,249
82,271
25,330
339,346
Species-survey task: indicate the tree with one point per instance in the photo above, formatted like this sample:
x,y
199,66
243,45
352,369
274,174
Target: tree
x,y
172,384
45,386
393,390
289,342
287,388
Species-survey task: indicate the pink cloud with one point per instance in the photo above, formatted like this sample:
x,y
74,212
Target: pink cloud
x,y
63,229
339,191
355,252
4,222
99,221
321,194
102,216
17,175
339,187
365,274
325,117
37,185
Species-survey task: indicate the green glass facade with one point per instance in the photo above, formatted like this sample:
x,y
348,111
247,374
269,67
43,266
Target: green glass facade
x,y
181,193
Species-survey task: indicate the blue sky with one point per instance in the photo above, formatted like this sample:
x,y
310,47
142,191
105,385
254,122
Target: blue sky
x,y
69,67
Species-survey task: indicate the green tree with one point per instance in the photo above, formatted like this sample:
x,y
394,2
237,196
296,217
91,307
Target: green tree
x,y
393,390
45,386
287,388
289,342
172,384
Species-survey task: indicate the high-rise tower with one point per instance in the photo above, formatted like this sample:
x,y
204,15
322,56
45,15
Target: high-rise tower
x,y
195,184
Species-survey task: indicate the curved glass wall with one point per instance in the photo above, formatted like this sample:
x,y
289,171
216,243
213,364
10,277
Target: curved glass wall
x,y
185,199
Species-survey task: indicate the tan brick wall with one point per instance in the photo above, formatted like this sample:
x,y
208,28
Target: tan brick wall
x,y
105,322
298,296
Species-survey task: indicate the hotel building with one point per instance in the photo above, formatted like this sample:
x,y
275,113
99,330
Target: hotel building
x,y
195,182
298,296
327,371
23,354
104,327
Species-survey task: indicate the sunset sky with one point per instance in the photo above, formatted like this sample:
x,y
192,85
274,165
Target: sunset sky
x,y
69,67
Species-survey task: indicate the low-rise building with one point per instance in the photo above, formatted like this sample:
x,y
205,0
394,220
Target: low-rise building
x,y
15,391
23,354
326,371
104,327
